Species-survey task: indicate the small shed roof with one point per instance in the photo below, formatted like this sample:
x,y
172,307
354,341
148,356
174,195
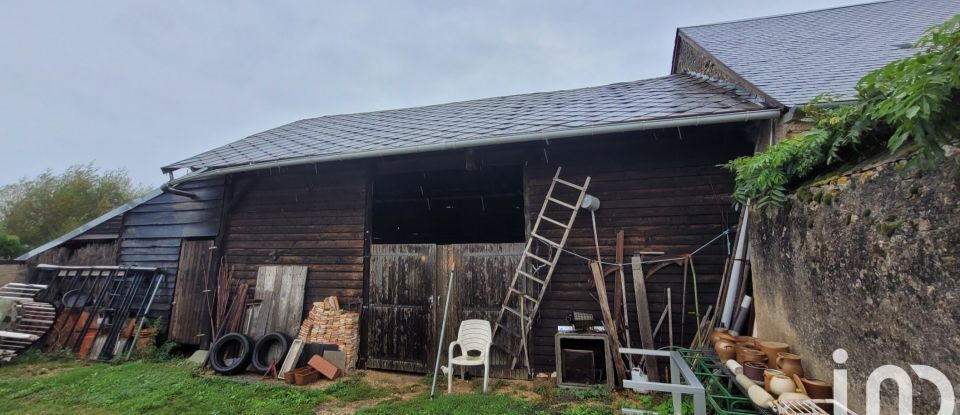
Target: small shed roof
x,y
673,96
795,57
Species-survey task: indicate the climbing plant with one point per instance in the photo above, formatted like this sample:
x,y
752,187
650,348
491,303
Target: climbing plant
x,y
913,102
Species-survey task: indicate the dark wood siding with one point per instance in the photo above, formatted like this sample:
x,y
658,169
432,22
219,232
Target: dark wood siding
x,y
152,232
309,215
189,317
106,230
666,192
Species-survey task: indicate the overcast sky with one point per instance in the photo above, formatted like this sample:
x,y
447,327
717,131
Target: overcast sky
x,y
137,84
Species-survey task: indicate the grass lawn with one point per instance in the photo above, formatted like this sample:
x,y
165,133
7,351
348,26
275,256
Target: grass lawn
x,y
38,384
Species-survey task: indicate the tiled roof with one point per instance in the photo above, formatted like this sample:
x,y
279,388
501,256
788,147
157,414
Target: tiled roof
x,y
673,96
795,57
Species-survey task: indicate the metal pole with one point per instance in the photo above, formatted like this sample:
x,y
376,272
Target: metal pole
x,y
140,326
726,318
443,331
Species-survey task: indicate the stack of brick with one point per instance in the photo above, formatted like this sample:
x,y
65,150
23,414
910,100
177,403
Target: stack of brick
x,y
328,324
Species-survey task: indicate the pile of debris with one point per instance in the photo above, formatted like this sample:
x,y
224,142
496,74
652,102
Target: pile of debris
x,y
328,324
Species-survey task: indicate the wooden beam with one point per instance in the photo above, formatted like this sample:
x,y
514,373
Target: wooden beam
x,y
608,320
643,317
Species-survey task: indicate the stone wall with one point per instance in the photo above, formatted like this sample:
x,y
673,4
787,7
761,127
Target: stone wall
x,y
867,261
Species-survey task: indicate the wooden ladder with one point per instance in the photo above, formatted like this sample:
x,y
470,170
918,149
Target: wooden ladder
x,y
518,304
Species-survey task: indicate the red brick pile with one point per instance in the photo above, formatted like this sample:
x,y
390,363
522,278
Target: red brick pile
x,y
328,324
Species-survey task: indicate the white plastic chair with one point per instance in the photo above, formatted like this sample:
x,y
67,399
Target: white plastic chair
x,y
473,336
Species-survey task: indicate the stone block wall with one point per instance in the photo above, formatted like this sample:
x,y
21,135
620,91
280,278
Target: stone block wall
x,y
867,261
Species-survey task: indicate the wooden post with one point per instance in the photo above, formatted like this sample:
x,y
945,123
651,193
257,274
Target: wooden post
x,y
608,320
643,317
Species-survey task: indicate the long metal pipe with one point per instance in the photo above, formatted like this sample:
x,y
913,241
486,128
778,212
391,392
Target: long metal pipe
x,y
443,332
733,290
744,116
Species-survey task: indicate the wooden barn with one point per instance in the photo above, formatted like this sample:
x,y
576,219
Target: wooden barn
x,y
380,207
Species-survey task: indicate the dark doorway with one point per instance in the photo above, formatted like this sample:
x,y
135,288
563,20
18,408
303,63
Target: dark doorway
x,y
449,206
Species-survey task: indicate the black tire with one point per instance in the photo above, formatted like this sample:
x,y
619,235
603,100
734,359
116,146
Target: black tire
x,y
261,352
219,360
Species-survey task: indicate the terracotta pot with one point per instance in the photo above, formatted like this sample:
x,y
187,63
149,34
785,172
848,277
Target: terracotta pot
x,y
726,350
818,389
772,349
780,384
747,339
790,364
746,354
754,370
767,374
715,336
728,337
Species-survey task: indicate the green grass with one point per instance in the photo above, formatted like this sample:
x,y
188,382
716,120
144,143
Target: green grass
x,y
492,404
69,387
58,384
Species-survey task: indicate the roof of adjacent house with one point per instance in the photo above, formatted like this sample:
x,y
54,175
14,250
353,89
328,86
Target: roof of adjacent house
x,y
794,57
669,97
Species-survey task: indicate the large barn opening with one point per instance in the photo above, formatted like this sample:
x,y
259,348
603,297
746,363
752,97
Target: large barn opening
x,y
483,205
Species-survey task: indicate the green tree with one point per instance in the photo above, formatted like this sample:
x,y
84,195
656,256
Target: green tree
x,y
10,246
49,205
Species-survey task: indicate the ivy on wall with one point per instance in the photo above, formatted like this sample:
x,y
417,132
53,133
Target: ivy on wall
x,y
914,102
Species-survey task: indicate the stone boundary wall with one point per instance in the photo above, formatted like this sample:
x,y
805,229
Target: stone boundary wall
x,y
867,261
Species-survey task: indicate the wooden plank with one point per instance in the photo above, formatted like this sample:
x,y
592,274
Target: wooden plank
x,y
608,320
280,290
643,317
189,318
401,311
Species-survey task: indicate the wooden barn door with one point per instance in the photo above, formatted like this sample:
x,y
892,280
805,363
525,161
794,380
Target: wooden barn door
x,y
401,320
481,280
189,313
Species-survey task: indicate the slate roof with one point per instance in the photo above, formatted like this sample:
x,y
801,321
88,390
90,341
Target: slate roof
x,y
673,96
795,57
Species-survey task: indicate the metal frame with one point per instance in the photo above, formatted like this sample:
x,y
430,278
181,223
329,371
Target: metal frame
x,y
678,370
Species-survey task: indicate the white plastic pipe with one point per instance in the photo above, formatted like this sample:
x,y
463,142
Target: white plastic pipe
x,y
732,289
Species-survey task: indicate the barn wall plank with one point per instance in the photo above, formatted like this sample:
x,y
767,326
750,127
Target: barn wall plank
x,y
307,215
156,228
666,194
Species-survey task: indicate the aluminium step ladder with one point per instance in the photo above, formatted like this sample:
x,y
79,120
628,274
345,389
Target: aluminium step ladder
x,y
535,270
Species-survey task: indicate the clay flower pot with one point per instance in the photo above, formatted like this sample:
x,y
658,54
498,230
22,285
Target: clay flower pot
x,y
717,332
754,370
780,384
725,349
790,364
767,375
747,354
771,349
747,339
818,389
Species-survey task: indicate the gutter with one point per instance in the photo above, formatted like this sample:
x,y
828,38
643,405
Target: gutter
x,y
119,210
744,116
